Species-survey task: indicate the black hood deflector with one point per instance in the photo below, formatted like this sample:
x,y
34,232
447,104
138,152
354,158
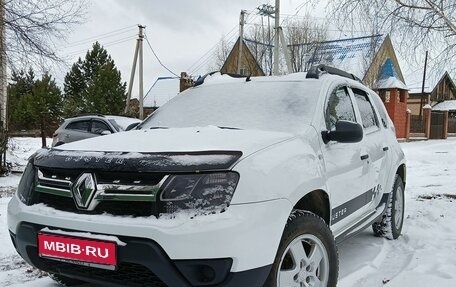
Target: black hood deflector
x,y
137,162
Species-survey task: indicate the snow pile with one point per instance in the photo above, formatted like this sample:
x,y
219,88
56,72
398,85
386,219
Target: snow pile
x,y
20,149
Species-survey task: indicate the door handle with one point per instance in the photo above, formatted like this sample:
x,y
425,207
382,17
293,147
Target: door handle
x,y
385,148
364,157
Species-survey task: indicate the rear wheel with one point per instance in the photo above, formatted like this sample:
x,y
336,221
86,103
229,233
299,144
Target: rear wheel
x,y
307,254
390,225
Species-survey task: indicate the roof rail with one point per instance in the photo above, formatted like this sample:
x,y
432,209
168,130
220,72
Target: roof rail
x,y
89,114
316,71
201,79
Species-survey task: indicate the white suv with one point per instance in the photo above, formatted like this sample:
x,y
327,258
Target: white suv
x,y
235,182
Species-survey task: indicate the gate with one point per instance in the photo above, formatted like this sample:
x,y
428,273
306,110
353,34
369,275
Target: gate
x,y
416,124
437,128
452,124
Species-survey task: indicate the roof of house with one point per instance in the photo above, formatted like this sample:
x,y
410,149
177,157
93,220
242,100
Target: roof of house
x,y
388,77
431,83
163,90
450,81
352,54
449,105
248,55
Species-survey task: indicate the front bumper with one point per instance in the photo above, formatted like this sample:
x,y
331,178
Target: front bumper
x,y
239,245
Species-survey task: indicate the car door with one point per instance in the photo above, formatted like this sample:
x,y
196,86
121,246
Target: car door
x,y
99,128
376,144
77,130
346,168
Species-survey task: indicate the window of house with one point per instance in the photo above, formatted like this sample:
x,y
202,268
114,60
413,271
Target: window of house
x,y
366,109
244,71
339,107
79,126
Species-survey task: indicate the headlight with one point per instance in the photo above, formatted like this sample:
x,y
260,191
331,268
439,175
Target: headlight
x,y
27,184
208,192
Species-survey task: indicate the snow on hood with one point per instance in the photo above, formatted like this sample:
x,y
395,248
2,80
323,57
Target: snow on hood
x,y
172,140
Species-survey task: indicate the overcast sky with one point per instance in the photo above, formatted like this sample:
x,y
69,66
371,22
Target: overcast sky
x,y
180,32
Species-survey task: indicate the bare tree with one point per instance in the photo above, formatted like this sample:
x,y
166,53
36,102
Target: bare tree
x,y
417,25
220,55
304,38
32,26
28,31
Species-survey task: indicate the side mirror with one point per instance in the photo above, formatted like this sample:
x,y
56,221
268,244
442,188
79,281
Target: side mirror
x,y
104,133
132,126
345,132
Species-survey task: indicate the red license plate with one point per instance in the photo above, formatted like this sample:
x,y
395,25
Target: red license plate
x,y
90,252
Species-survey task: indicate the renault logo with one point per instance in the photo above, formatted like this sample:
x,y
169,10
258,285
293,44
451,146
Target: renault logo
x,y
84,190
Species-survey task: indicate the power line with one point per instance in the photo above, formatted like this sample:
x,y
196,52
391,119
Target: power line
x,y
227,38
213,47
101,35
158,59
109,44
99,38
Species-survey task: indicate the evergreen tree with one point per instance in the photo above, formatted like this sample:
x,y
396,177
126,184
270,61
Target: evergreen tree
x,y
94,85
34,104
19,91
46,103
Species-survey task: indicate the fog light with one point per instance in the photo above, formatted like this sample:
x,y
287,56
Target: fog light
x,y
207,273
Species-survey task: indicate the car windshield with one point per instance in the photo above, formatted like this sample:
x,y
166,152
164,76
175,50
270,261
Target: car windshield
x,y
121,123
274,106
115,125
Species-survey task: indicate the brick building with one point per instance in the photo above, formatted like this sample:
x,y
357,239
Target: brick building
x,y
394,94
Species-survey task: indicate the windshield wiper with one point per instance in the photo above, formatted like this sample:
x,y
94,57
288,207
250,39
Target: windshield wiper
x,y
228,128
157,128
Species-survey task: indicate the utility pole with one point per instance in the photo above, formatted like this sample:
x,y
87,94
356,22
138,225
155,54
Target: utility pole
x,y
422,86
276,38
138,52
141,75
268,11
3,84
241,40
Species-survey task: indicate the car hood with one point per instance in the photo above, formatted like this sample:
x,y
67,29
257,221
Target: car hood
x,y
176,149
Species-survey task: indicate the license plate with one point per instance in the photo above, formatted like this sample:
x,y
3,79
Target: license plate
x,y
89,252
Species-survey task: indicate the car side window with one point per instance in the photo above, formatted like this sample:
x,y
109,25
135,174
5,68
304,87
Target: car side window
x,y
99,127
366,109
339,107
381,109
82,126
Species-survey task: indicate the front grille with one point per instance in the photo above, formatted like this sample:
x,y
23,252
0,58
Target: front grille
x,y
123,194
127,274
57,202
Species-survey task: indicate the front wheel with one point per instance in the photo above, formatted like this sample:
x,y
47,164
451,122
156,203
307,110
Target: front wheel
x,y
307,254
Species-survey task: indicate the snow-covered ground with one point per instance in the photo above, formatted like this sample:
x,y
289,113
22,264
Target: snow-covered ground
x,y
424,256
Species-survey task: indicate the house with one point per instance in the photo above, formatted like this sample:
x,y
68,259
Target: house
x,y
249,65
362,56
444,90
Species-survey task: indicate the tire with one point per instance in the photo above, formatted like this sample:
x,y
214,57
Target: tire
x,y
65,281
390,225
306,235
